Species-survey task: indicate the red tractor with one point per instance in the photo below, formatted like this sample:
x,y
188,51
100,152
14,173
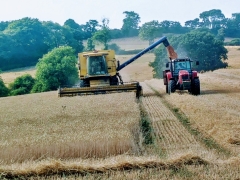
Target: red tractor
x,y
180,75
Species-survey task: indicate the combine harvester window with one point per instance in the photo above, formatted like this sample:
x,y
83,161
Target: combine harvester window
x,y
97,65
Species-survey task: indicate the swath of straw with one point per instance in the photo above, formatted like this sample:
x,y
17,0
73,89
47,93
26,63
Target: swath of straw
x,y
57,167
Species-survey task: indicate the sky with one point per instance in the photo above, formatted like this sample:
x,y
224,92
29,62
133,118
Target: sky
x,y
81,11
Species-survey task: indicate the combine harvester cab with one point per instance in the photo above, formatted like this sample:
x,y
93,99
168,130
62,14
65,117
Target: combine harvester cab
x,y
99,73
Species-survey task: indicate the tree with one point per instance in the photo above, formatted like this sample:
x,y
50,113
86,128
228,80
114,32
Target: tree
x,y
77,33
62,36
116,33
103,35
114,47
3,89
22,85
6,52
72,24
149,31
193,23
130,24
212,19
210,51
159,62
171,27
56,68
221,34
26,43
3,25
90,45
55,37
233,26
198,45
90,28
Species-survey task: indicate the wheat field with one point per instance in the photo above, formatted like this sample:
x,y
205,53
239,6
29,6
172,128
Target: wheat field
x,y
40,126
99,137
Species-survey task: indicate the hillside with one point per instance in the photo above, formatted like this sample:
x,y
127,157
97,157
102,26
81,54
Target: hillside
x,y
101,137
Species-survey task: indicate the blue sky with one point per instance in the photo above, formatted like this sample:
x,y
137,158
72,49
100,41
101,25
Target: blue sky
x,y
83,10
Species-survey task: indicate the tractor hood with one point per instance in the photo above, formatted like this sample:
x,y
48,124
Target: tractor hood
x,y
183,76
183,72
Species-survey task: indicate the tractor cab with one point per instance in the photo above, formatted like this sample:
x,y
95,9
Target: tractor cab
x,y
182,64
179,64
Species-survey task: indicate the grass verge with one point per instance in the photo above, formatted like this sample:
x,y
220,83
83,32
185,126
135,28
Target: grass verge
x,y
146,126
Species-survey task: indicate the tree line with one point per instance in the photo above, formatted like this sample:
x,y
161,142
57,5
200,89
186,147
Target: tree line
x,y
53,48
24,41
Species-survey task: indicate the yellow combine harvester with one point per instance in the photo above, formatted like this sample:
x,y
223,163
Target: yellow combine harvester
x,y
98,73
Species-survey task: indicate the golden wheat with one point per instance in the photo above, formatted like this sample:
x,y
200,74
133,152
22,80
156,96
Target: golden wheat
x,y
42,125
46,134
119,167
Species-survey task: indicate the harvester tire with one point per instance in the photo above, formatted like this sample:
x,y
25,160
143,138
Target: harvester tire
x,y
139,92
196,87
83,83
114,80
171,86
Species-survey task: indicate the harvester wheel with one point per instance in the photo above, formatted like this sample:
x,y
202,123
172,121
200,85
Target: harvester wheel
x,y
83,83
139,91
114,80
171,86
196,87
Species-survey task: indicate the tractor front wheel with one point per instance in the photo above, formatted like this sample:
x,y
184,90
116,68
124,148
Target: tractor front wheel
x,y
166,88
196,87
171,86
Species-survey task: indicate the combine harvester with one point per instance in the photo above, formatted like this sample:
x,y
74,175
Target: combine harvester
x,y
99,72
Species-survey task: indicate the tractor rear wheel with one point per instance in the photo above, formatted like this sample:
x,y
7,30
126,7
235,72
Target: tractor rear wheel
x,y
171,86
196,87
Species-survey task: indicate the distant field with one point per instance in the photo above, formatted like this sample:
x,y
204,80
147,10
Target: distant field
x,y
126,43
10,76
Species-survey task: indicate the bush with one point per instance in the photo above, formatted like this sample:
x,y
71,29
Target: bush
x,y
56,68
3,89
19,91
114,47
22,85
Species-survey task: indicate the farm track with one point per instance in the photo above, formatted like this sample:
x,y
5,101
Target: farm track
x,y
172,137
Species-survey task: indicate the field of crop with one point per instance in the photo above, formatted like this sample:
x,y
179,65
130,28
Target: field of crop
x,y
99,137
41,126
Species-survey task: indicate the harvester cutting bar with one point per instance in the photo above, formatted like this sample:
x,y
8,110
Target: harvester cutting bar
x,y
77,91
